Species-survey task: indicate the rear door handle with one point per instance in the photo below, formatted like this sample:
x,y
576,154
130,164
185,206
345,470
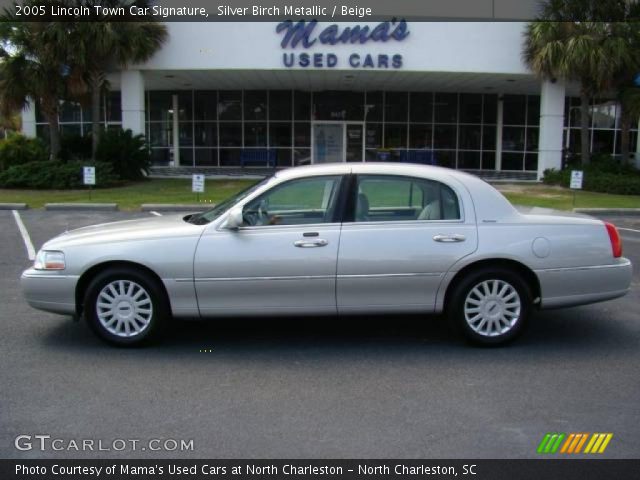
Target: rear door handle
x,y
311,243
450,238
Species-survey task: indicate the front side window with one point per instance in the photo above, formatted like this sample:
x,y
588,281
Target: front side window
x,y
298,202
387,199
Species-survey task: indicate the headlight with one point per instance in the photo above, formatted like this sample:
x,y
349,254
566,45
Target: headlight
x,y
49,260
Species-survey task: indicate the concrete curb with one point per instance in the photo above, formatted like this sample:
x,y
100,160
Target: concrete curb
x,y
13,206
99,207
175,207
634,212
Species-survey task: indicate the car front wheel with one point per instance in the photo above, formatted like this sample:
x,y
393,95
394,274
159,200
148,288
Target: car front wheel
x,y
125,307
491,307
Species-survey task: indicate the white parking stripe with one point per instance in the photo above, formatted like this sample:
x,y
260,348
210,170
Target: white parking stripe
x,y
31,252
629,230
155,213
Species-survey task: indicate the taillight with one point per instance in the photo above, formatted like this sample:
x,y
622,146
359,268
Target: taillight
x,y
614,237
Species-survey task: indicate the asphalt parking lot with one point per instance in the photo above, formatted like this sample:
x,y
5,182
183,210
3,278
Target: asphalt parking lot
x,y
389,387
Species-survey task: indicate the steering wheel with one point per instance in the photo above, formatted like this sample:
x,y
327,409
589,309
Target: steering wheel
x,y
256,216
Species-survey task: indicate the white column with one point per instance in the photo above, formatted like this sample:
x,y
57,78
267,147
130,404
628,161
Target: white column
x,y
132,94
29,120
176,133
551,126
499,124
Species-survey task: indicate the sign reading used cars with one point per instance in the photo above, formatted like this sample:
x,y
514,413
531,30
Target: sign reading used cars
x,y
197,183
89,175
576,179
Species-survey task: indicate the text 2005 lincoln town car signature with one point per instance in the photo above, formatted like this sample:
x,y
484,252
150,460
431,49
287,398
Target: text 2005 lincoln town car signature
x,y
336,238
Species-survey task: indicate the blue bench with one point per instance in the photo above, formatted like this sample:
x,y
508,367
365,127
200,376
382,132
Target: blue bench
x,y
258,156
424,157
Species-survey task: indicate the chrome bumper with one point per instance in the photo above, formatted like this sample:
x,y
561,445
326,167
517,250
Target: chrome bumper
x,y
50,291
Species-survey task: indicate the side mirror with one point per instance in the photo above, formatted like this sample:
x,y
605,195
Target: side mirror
x,y
235,220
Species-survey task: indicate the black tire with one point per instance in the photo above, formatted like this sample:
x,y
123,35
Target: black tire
x,y
158,306
506,327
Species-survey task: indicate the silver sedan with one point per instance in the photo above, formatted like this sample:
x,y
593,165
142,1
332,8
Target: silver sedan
x,y
335,239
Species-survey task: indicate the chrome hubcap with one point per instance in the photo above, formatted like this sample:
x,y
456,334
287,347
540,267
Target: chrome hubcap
x,y
124,308
492,308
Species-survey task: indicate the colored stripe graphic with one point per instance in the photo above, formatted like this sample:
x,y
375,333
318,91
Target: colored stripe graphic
x,y
598,443
572,443
551,442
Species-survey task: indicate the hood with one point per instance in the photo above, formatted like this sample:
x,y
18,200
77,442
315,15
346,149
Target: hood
x,y
127,230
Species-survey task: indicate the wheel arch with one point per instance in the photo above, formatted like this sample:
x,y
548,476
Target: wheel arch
x,y
527,274
86,278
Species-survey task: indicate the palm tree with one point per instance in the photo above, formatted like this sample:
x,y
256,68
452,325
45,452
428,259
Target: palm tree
x,y
104,45
589,52
32,70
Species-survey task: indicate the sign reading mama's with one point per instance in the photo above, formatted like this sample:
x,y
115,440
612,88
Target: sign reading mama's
x,y
305,35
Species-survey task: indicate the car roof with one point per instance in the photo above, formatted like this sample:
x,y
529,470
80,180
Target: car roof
x,y
490,205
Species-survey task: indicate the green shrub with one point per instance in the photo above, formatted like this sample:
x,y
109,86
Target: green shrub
x,y
54,174
18,150
74,147
128,153
604,174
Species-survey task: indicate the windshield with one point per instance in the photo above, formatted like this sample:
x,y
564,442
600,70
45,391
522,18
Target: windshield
x,y
210,215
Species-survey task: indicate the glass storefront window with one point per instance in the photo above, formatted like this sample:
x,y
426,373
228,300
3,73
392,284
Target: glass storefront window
x,y
470,137
160,106
338,105
255,105
420,136
373,135
302,106
206,105
206,134
444,136
533,110
490,109
395,135
421,107
280,105
230,105
255,134
446,107
374,107
301,156
185,134
512,161
396,107
280,135
470,108
514,109
513,138
160,134
302,134
488,137
185,106
206,157
230,134
469,160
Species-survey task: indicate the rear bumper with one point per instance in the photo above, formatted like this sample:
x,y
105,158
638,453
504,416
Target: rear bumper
x,y
49,291
567,287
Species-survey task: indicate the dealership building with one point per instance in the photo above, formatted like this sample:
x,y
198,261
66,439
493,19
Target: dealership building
x,y
230,97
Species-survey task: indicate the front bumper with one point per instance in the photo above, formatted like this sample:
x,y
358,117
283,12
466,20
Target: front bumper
x,y
50,291
567,287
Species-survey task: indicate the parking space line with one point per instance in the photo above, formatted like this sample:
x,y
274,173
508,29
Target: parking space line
x,y
31,252
157,214
629,230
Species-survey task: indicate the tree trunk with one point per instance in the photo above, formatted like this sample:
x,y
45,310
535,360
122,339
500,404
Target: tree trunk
x,y
584,129
625,127
95,117
51,115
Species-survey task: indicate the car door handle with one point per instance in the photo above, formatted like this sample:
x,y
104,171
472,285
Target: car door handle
x,y
450,238
311,243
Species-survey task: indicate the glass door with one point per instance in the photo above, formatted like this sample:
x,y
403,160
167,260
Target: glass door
x,y
328,142
354,142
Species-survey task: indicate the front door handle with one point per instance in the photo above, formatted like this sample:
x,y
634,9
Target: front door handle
x,y
450,238
311,243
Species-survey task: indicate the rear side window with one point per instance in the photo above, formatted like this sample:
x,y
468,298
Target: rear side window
x,y
390,198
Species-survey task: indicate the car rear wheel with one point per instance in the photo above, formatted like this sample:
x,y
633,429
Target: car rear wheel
x,y
125,307
490,307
